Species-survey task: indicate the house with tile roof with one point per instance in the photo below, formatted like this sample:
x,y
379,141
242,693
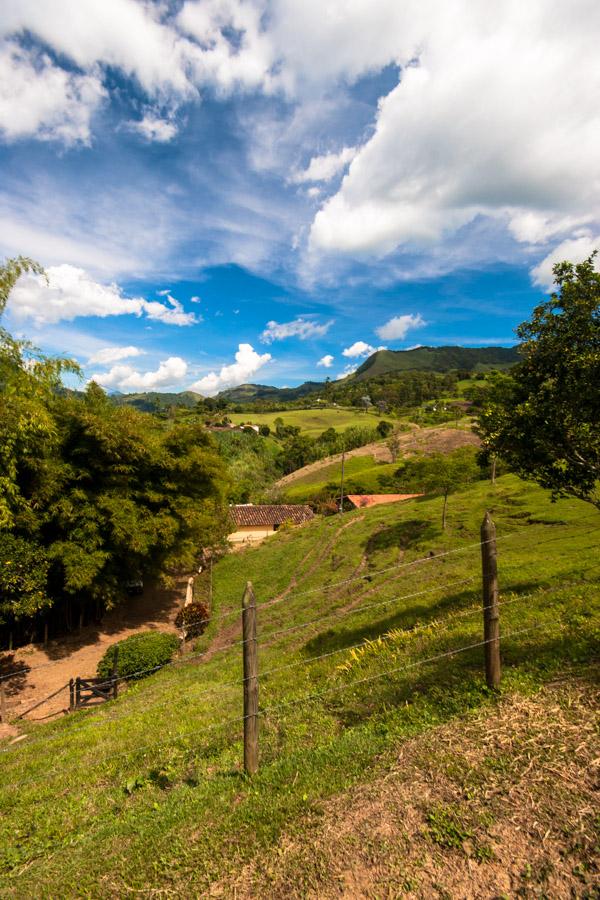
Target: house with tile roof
x,y
252,524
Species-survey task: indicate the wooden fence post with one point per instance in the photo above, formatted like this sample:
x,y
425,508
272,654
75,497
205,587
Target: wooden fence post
x,y
77,692
491,615
71,694
250,649
3,712
115,677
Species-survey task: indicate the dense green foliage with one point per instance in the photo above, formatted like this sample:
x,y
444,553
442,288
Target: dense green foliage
x,y
92,491
23,574
544,419
138,655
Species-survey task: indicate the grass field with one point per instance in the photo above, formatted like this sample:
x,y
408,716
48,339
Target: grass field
x,y
313,421
362,474
146,795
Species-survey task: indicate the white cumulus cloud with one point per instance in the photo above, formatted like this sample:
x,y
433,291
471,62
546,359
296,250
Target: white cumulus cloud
x,y
360,348
70,293
326,361
574,250
37,98
107,355
170,373
397,327
300,328
495,115
154,128
324,168
247,363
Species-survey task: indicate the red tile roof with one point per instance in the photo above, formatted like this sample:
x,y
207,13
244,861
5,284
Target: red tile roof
x,y
245,515
362,500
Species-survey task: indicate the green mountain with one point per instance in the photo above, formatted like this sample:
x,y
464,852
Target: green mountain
x,y
154,401
247,392
436,359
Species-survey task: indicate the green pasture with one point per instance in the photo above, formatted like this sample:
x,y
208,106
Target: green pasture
x,y
313,421
146,794
362,475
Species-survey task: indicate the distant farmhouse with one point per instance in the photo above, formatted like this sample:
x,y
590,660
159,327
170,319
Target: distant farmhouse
x,y
254,523
231,426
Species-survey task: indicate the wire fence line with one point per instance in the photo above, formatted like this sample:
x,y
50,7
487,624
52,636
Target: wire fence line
x,y
359,577
338,613
310,660
219,686
297,701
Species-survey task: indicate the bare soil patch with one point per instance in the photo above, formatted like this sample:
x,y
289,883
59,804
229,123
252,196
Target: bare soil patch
x,y
440,439
46,669
494,806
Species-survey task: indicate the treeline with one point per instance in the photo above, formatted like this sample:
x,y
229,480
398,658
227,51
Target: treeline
x,y
255,461
395,392
92,495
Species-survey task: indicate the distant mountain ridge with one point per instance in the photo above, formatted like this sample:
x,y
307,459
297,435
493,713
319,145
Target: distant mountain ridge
x,y
436,359
246,392
382,362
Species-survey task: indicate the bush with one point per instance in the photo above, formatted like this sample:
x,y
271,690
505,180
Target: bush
x,y
194,618
139,653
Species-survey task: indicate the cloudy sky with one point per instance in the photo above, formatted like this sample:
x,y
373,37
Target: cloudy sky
x,y
266,190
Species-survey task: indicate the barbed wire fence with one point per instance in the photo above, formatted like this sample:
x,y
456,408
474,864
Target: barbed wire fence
x,y
249,644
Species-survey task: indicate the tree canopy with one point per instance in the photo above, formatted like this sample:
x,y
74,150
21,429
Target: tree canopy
x,y
91,492
544,418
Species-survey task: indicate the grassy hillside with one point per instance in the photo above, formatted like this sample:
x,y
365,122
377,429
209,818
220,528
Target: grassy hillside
x,y
438,359
146,794
312,421
362,475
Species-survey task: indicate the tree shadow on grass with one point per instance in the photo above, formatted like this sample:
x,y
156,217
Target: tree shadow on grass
x,y
338,638
402,535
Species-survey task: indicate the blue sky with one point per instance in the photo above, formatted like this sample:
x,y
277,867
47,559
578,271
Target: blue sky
x,y
257,190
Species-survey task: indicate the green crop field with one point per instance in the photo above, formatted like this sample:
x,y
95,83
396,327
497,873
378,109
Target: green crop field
x,y
146,795
313,421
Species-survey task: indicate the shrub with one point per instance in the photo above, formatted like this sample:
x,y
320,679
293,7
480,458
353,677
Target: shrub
x,y
139,653
194,618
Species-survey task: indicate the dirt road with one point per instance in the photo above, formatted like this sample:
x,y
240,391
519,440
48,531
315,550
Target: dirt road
x,y
78,654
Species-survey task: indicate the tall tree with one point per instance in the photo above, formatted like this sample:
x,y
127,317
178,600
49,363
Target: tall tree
x,y
544,418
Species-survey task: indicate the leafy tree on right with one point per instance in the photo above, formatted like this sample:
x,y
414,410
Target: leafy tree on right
x,y
543,418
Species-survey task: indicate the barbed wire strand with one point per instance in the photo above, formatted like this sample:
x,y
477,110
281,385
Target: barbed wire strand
x,y
295,702
219,685
324,588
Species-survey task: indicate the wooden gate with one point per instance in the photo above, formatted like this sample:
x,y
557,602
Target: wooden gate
x,y
83,690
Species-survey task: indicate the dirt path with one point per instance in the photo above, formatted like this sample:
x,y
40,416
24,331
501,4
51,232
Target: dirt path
x,y
78,654
439,439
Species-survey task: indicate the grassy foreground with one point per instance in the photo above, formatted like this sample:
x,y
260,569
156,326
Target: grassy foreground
x,y
147,794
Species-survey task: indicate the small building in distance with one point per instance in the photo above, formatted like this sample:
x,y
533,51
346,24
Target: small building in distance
x,y
360,501
254,523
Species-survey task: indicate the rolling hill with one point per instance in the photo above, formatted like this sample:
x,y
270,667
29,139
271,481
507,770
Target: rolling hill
x,y
437,359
